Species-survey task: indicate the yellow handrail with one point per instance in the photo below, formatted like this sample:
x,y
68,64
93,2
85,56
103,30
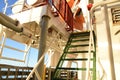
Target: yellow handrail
x,y
44,73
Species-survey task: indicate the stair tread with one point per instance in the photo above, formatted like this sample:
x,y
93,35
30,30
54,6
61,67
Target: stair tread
x,y
61,79
82,45
80,40
82,59
76,40
73,68
78,33
72,52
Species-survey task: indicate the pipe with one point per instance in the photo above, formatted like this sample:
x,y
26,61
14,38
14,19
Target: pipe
x,y
42,44
9,23
39,66
15,22
110,50
101,4
35,67
110,6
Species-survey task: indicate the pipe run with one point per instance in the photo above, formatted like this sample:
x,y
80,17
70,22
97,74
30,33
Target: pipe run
x,y
14,25
42,46
101,4
106,17
42,43
10,23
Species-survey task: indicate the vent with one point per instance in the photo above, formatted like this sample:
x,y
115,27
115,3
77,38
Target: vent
x,y
116,15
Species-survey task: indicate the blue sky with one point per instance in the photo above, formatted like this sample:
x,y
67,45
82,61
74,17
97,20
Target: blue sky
x,y
2,5
32,56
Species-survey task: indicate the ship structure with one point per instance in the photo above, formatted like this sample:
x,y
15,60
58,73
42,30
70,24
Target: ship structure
x,y
60,40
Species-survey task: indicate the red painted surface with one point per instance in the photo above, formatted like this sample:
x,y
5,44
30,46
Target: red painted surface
x,y
89,6
70,3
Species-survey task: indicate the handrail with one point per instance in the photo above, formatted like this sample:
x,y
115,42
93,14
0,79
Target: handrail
x,y
103,71
102,3
27,50
89,56
64,10
36,65
39,61
2,45
37,75
12,48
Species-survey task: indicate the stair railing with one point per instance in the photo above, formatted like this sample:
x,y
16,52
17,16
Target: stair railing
x,y
2,46
34,70
64,10
2,43
89,56
102,3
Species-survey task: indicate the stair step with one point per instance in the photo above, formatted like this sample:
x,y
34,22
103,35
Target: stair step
x,y
81,33
79,36
80,40
73,68
72,59
76,40
60,79
72,52
83,45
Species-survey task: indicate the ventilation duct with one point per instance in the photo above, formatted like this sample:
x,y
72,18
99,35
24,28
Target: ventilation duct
x,y
31,2
18,6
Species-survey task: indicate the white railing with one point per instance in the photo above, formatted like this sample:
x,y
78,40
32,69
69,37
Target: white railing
x,y
12,48
39,61
2,46
102,3
3,38
91,47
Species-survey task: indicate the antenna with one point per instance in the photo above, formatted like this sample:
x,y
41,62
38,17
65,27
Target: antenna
x,y
6,4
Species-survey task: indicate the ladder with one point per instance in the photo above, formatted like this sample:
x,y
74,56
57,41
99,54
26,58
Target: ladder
x,y
78,44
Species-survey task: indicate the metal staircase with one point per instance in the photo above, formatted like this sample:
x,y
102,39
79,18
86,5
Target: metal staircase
x,y
78,44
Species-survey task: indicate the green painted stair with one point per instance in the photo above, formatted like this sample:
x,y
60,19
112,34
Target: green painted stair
x,y
78,43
